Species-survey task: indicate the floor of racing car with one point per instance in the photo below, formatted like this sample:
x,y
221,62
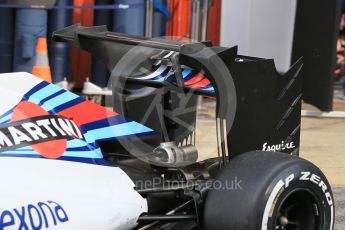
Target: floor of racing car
x,y
322,142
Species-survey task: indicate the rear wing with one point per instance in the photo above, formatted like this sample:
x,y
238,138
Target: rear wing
x,y
257,107
110,47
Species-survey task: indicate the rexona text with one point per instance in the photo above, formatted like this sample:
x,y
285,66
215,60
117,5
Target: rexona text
x,y
34,216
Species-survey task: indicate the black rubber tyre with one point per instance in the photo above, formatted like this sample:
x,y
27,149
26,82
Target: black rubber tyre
x,y
266,191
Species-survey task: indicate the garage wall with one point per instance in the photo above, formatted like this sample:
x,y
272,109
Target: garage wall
x,y
262,28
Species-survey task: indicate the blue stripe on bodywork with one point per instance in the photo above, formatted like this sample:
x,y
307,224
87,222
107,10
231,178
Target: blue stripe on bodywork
x,y
76,143
26,148
35,89
96,153
186,72
162,76
6,119
96,161
125,129
52,96
43,93
69,104
59,100
7,113
82,153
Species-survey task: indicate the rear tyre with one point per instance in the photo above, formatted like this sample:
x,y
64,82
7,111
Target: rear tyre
x,y
266,190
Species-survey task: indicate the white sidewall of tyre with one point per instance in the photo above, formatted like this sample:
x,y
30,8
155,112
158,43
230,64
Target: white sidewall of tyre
x,y
269,205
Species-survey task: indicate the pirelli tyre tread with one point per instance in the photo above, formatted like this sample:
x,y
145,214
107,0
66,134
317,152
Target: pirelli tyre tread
x,y
270,189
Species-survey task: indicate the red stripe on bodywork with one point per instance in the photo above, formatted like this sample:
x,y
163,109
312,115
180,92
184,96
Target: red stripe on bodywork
x,y
197,78
87,112
201,84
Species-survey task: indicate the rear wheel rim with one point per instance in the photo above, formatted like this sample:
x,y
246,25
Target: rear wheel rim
x,y
299,210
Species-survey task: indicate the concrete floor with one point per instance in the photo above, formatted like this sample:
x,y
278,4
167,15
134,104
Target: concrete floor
x,y
322,142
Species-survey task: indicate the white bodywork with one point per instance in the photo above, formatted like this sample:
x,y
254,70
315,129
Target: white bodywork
x,y
92,197
52,193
